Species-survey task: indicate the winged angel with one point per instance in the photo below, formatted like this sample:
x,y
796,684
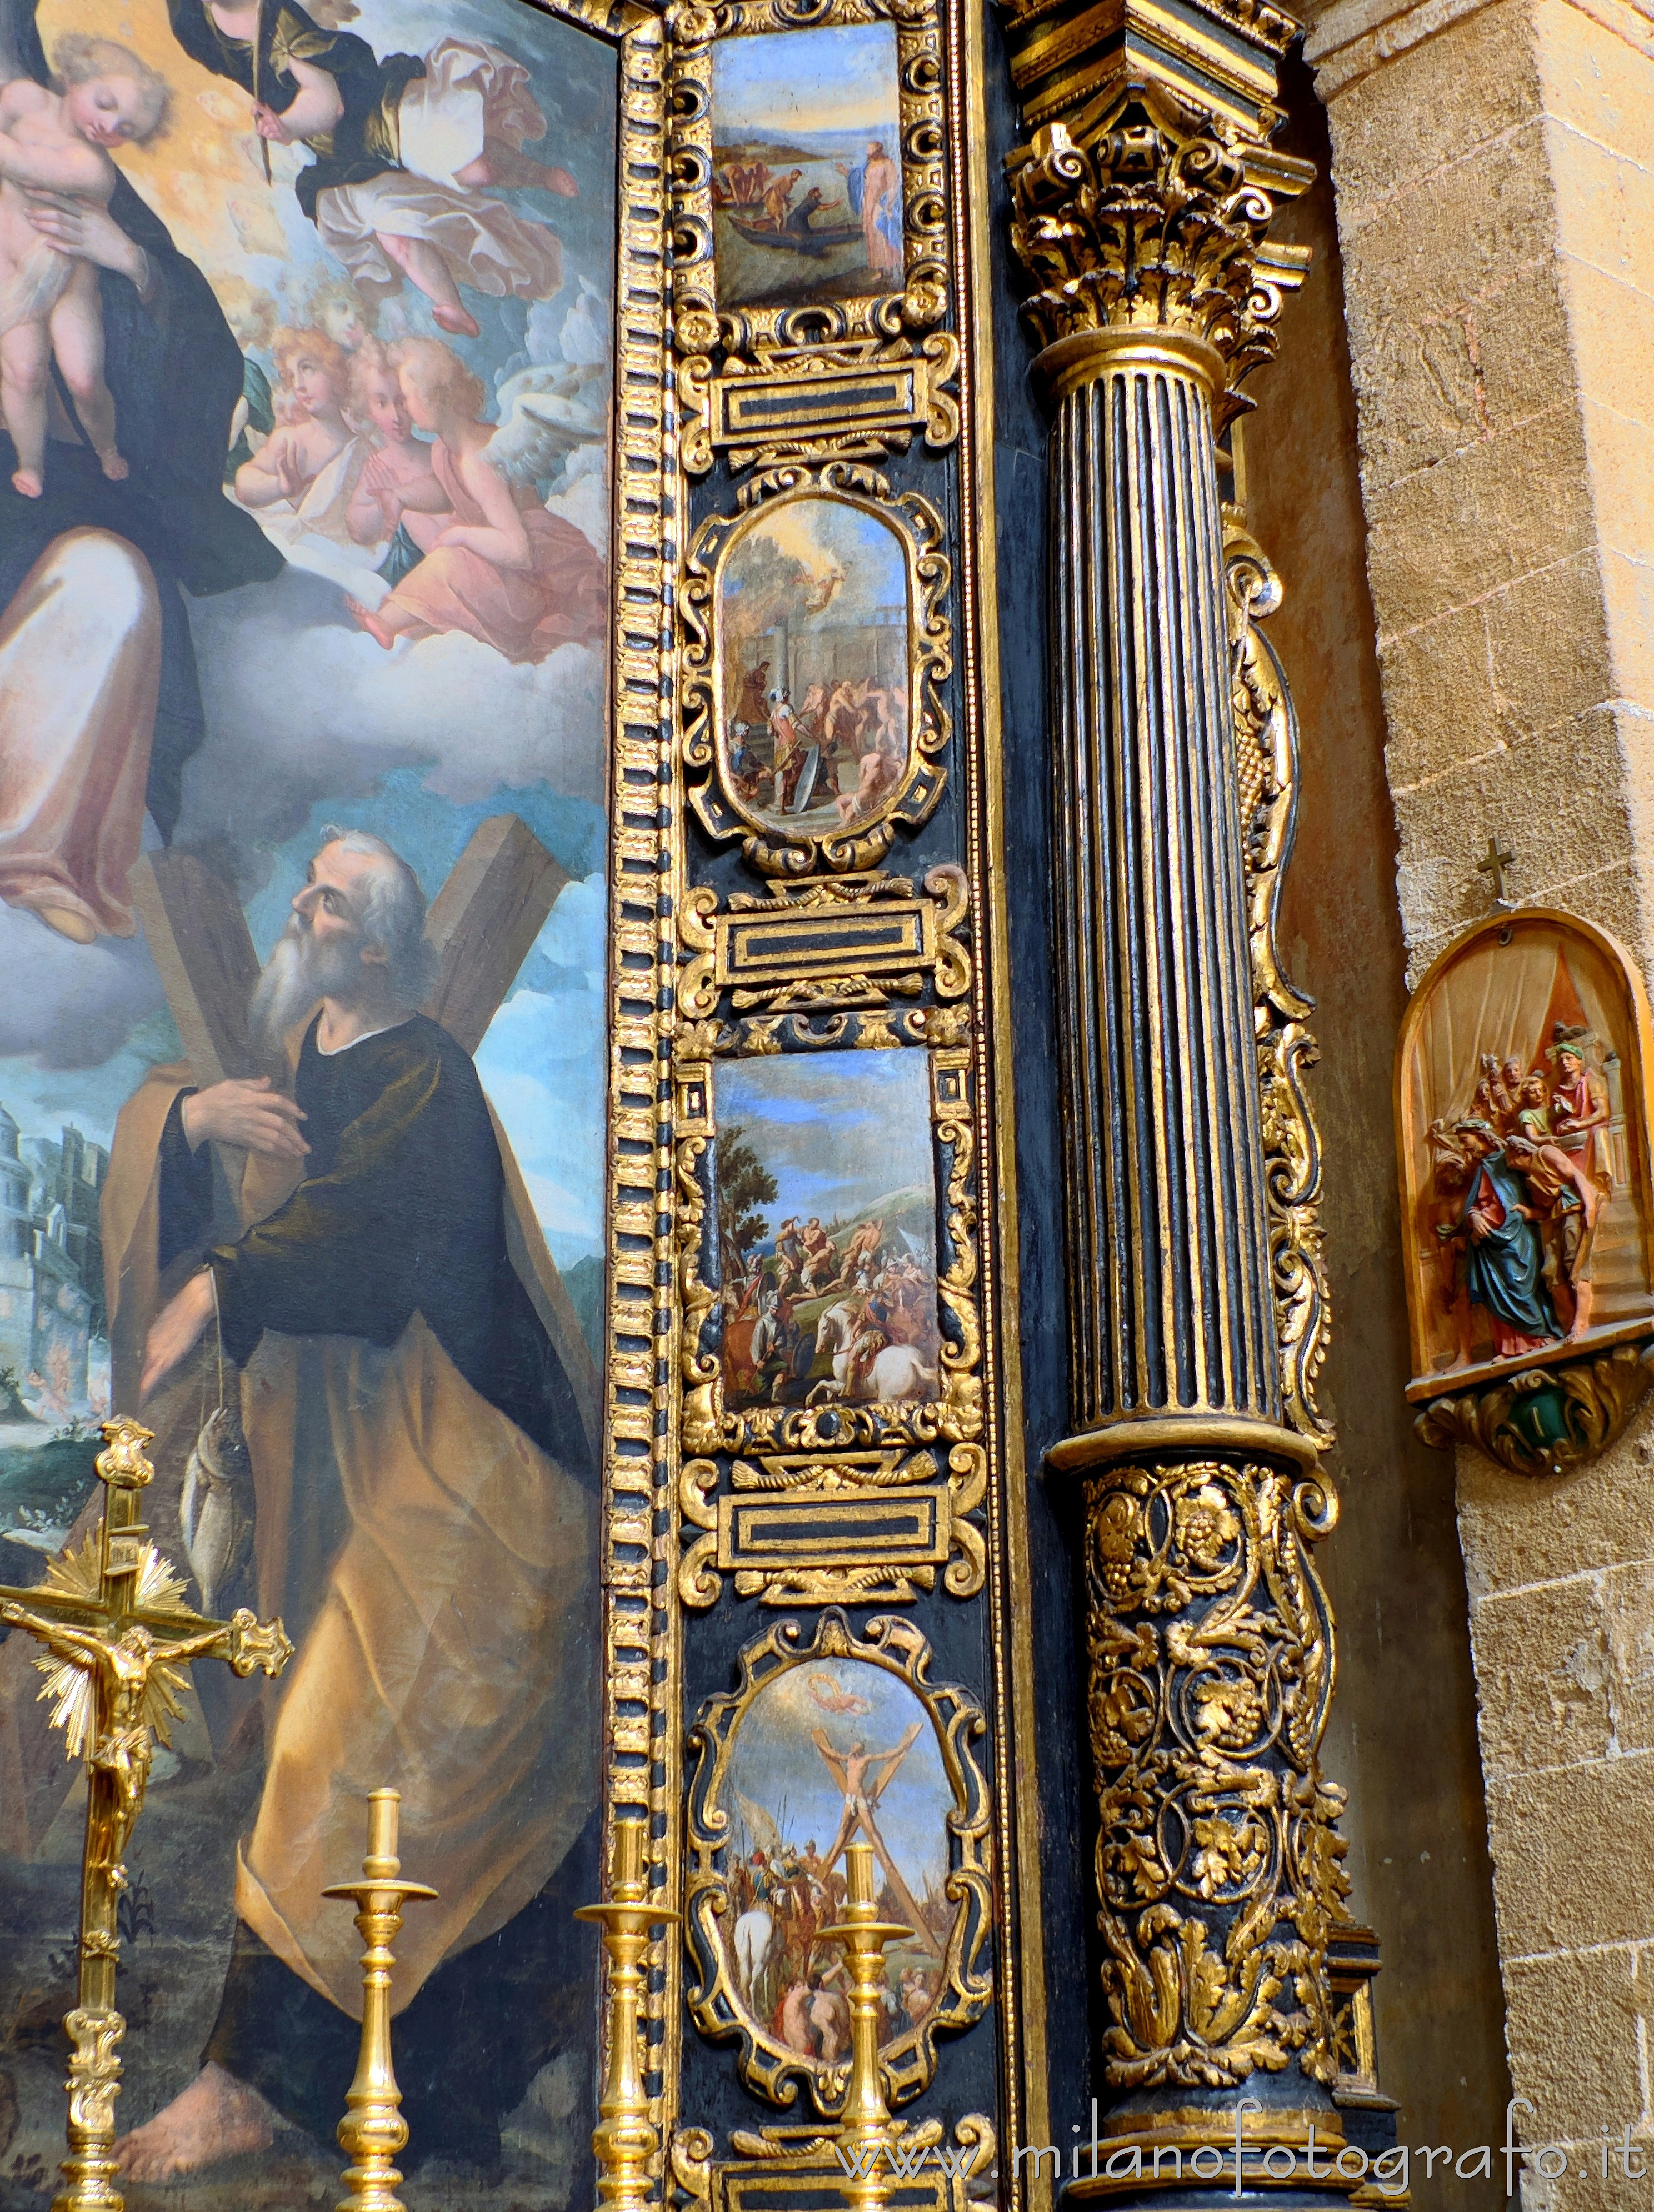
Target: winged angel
x,y
501,567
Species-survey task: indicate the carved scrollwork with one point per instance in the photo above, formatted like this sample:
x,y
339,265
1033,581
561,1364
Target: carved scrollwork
x,y
1217,1856
1265,763
1548,1418
722,1999
1154,224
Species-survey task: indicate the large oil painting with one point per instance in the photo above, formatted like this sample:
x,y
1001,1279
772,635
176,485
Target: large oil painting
x,y
1521,1120
826,1184
305,374
806,187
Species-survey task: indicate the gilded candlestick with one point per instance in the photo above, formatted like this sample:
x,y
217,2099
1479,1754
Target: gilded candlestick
x,y
864,2124
624,2141
373,2130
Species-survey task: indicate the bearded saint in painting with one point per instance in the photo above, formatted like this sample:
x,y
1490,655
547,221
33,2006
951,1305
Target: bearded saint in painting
x,y
425,1522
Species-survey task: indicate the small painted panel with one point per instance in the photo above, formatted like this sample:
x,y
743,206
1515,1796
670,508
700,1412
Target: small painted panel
x,y
814,636
807,185
826,1195
827,1742
1521,1108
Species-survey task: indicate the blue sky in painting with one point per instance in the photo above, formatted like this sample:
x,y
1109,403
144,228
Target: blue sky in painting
x,y
776,1764
842,78
838,1130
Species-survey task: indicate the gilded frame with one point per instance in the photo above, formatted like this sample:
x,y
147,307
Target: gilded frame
x,y
917,527
836,339
908,2064
707,1424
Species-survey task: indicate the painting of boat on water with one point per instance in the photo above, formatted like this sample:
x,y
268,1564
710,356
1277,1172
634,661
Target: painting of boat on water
x,y
827,1229
807,185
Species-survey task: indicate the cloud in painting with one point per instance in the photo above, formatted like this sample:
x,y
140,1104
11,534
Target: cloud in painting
x,y
838,1130
841,78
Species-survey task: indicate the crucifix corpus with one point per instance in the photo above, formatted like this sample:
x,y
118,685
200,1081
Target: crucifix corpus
x,y
118,1639
863,1777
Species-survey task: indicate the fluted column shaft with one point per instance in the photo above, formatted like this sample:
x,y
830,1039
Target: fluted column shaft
x,y
1170,1305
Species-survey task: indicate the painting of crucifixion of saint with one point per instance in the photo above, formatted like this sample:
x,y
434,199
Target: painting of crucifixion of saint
x,y
813,634
304,553
1523,1147
826,1756
807,154
826,1185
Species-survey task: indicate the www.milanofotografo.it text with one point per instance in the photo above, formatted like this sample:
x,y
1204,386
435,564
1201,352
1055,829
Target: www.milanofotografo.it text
x,y
1388,2171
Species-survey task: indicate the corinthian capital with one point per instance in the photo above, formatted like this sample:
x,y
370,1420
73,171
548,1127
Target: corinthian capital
x,y
1144,197
1151,226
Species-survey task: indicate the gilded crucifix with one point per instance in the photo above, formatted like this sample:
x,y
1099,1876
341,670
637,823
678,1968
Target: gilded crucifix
x,y
118,1640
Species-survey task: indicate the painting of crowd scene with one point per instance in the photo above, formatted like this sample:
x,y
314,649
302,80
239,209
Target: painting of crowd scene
x,y
1529,1231
827,1229
807,185
825,1756
812,610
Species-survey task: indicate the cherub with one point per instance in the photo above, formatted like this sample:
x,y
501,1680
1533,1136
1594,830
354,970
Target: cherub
x,y
394,494
314,381
49,307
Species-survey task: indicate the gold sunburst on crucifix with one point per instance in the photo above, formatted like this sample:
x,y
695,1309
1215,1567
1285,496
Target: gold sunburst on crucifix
x,y
118,1640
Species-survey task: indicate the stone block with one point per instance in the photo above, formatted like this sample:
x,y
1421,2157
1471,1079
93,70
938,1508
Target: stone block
x,y
1603,205
1622,451
1428,252
1484,517
1571,2027
1569,1869
1611,330
1416,395
1439,699
1629,601
1627,1596
1592,81
1433,104
1547,641
1524,351
1515,1533
1544,1673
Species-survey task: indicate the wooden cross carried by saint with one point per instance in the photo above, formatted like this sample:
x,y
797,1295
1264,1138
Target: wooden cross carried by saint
x,y
119,1639
482,926
863,1777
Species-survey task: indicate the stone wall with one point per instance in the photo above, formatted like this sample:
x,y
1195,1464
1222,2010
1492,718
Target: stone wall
x,y
1494,173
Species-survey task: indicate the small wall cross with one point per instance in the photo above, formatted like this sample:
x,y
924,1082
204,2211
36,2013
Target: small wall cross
x,y
1498,859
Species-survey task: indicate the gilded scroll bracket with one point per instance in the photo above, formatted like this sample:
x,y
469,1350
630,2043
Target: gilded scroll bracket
x,y
1546,1421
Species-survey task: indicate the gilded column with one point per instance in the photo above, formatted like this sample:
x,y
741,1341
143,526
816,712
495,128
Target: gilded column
x,y
1142,206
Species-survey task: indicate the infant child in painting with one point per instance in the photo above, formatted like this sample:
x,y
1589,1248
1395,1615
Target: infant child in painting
x,y
49,303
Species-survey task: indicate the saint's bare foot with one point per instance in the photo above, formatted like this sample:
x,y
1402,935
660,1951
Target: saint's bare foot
x,y
215,2118
69,922
113,466
370,621
28,481
456,321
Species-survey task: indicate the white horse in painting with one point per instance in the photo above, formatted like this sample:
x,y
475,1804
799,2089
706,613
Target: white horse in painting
x,y
898,1372
755,1936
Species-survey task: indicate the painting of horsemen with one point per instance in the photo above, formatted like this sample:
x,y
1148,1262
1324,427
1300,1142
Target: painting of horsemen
x,y
826,1187
1524,1149
306,367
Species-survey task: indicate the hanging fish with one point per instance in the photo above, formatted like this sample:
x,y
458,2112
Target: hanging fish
x,y
216,1505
